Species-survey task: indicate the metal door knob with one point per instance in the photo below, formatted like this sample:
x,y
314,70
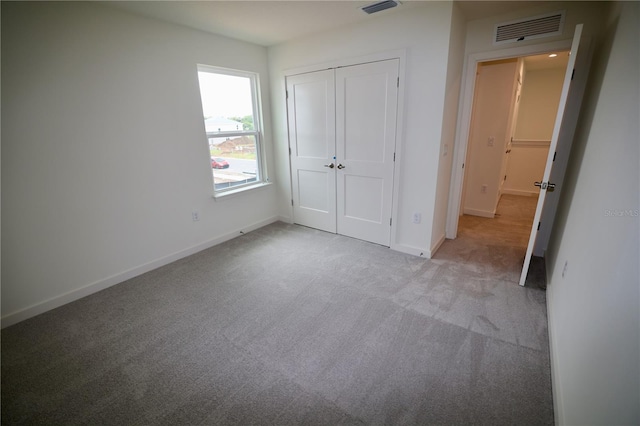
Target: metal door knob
x,y
340,166
331,166
545,185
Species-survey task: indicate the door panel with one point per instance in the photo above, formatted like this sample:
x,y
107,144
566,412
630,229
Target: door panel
x,y
311,114
366,197
366,105
561,127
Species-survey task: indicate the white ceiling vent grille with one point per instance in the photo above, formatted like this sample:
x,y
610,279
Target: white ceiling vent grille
x,y
380,6
540,26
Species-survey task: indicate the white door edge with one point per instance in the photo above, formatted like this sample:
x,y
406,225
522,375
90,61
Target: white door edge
x,y
552,149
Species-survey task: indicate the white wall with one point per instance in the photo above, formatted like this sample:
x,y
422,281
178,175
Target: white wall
x,y
534,126
525,166
491,113
105,155
539,103
424,31
589,13
593,302
452,94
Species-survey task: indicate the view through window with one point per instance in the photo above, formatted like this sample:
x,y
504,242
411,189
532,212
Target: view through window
x,y
232,123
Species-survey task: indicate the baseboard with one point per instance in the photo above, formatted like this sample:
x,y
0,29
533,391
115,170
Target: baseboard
x,y
520,192
436,246
481,213
415,251
558,412
63,299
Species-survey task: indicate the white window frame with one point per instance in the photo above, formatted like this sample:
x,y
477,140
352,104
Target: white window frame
x,y
257,132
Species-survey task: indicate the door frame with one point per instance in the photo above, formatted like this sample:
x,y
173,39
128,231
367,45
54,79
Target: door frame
x,y
465,109
399,54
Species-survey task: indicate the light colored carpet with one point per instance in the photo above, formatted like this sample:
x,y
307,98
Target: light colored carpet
x,y
289,325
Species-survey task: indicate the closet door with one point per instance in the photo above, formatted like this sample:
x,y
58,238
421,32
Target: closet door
x,y
311,114
366,107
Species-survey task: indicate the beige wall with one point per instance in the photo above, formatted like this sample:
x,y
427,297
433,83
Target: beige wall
x,y
492,106
539,103
534,126
593,288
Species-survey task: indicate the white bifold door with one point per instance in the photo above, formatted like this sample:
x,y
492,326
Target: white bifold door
x,y
342,135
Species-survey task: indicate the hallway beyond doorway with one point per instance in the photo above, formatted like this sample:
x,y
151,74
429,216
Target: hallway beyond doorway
x,y
497,245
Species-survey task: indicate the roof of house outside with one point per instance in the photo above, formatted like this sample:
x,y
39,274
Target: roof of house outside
x,y
216,124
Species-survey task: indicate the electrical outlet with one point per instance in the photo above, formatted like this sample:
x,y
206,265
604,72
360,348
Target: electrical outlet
x,y
417,217
195,215
483,189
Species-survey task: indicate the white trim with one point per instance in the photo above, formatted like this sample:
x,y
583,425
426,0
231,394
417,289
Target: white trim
x,y
436,246
240,189
346,62
481,213
464,117
531,143
520,192
556,384
415,251
63,299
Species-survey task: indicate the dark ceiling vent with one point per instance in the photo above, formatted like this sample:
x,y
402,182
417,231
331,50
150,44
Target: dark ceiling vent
x,y
381,5
540,26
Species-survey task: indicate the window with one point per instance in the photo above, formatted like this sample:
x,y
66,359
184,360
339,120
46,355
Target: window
x,y
231,109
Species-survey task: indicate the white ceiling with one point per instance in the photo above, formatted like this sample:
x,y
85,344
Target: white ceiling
x,y
268,23
543,62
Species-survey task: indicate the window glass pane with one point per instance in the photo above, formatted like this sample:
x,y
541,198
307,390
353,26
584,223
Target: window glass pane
x,y
227,102
232,127
234,161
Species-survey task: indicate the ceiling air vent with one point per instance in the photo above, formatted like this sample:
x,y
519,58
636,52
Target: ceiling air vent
x,y
381,5
540,26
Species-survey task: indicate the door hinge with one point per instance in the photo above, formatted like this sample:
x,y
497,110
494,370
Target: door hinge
x,y
398,82
390,220
539,226
554,156
463,165
292,201
287,92
289,151
573,73
394,157
505,177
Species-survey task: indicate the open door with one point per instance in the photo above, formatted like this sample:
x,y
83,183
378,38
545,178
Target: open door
x,y
561,127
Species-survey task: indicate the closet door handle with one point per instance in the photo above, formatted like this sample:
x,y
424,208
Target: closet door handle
x,y
340,166
331,166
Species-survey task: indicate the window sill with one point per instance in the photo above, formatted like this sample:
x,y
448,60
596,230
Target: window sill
x,y
234,192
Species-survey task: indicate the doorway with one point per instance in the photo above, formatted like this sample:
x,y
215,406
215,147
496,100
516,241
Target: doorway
x,y
342,127
564,128
514,110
